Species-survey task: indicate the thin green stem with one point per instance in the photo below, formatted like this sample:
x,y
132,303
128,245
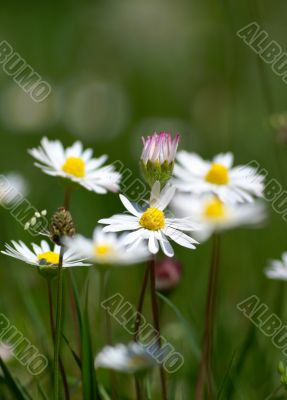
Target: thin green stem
x,y
157,324
58,333
205,366
67,197
52,326
137,324
104,276
141,303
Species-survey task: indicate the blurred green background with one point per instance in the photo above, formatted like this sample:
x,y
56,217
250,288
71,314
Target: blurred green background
x,y
120,70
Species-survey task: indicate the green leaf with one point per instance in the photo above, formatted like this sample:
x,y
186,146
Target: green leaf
x,y
74,354
90,386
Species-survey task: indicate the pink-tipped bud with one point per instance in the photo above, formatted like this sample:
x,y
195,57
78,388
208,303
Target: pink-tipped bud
x,y
157,159
168,274
160,148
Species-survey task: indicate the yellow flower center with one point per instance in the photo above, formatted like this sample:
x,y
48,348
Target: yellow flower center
x,y
217,174
74,166
102,250
49,258
215,210
152,219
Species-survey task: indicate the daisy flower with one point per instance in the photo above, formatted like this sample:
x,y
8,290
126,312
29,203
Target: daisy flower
x,y
42,255
230,184
213,215
129,358
77,165
277,269
107,248
157,159
152,223
13,187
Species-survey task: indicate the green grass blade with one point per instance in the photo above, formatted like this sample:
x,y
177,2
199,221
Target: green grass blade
x,y
15,387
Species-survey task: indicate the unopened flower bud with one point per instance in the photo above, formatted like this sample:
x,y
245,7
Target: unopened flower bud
x,y
62,225
157,159
167,274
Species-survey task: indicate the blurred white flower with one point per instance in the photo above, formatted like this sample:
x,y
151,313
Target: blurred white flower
x,y
6,351
230,184
42,255
13,187
213,215
152,223
76,164
129,358
277,269
107,248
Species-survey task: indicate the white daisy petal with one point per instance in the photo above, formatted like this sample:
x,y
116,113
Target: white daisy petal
x,y
153,243
166,247
129,206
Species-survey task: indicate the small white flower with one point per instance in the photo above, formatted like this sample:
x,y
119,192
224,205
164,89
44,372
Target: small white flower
x,y
42,255
277,269
6,351
107,248
76,164
13,188
213,215
152,223
129,358
230,184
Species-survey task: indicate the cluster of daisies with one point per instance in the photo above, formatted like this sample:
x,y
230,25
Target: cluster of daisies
x,y
188,200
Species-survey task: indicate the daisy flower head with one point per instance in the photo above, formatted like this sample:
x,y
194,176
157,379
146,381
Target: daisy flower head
x,y
213,215
152,223
157,159
131,358
277,269
230,184
42,256
76,165
107,249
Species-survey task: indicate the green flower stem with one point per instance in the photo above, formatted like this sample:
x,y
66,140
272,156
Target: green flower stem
x,y
205,367
137,324
52,325
104,277
58,332
156,323
67,202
